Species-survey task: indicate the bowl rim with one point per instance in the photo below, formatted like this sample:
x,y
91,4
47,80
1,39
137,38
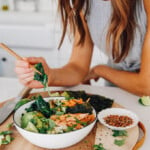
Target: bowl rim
x,y
14,121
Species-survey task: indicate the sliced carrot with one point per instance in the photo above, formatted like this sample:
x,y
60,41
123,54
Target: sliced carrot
x,y
79,126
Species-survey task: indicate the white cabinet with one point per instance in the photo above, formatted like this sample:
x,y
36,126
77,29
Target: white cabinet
x,y
28,29
29,34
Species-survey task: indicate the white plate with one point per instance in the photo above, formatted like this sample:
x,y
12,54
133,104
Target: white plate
x,y
120,112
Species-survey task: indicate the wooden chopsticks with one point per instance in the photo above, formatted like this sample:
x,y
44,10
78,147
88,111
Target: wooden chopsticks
x,y
10,51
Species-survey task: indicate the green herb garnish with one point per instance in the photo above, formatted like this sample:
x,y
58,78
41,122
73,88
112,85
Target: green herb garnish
x,y
10,125
98,147
119,142
5,137
71,128
80,122
120,133
5,132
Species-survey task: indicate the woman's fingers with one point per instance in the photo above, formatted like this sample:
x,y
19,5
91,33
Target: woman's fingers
x,y
96,79
86,82
26,80
27,75
21,70
34,84
22,63
91,75
35,60
23,67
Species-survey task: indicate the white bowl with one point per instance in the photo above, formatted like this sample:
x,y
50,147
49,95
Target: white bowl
x,y
51,141
120,112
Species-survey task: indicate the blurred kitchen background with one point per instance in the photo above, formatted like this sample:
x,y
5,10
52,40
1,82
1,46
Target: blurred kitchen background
x,y
32,28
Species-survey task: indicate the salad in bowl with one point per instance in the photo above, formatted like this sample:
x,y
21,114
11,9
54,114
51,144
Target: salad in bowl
x,y
55,122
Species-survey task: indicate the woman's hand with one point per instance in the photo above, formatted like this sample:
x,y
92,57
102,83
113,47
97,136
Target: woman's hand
x,y
26,74
91,75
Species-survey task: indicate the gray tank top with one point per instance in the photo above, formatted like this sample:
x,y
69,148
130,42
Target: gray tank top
x,y
98,21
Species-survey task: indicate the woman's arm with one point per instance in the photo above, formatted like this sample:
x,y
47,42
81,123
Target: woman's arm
x,y
78,67
137,83
70,74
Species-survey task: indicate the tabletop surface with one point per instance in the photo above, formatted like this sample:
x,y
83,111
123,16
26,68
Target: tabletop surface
x,y
10,87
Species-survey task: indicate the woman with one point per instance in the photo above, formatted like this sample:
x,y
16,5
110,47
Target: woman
x,y
123,24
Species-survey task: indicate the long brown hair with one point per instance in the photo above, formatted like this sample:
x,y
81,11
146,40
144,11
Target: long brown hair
x,y
120,33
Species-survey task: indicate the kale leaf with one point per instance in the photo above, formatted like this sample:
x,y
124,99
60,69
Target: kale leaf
x,y
40,105
43,78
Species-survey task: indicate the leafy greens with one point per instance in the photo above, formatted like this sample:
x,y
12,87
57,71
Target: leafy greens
x,y
43,78
41,106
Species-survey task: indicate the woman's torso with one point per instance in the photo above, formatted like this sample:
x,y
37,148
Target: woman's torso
x,y
98,22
